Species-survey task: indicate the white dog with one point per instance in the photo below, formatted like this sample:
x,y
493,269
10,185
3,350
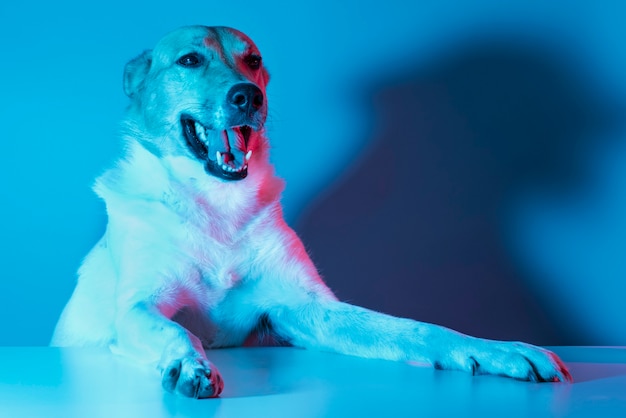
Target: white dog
x,y
196,253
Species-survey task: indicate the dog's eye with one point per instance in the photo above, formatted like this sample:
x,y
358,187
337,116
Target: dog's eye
x,y
253,61
190,60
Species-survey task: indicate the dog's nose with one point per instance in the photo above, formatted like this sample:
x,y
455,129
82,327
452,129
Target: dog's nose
x,y
246,97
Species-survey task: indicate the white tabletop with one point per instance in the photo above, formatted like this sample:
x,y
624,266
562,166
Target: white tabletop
x,y
289,382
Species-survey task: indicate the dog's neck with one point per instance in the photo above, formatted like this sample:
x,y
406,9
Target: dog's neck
x,y
183,185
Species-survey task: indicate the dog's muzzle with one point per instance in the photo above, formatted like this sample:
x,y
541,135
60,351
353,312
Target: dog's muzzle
x,y
225,152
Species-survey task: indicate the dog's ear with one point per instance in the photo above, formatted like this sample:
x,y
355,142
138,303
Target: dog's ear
x,y
135,72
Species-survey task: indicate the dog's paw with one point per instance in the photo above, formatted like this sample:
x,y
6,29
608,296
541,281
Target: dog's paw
x,y
192,377
510,359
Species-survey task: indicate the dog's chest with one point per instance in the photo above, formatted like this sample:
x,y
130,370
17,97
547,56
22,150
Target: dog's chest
x,y
208,248
217,250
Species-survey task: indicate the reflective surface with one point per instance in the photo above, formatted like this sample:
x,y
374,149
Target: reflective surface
x,y
288,382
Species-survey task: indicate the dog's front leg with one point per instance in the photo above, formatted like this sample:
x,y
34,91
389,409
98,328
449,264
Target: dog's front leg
x,y
145,334
347,329
151,274
305,312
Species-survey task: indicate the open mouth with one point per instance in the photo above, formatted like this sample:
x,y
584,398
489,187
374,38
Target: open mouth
x,y
225,153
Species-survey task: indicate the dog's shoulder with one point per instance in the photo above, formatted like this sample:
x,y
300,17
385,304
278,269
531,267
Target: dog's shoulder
x,y
137,175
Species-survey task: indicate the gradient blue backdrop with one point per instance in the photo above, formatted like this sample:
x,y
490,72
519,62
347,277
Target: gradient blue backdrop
x,y
339,70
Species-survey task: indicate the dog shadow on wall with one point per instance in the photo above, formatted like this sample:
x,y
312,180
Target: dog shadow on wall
x,y
417,227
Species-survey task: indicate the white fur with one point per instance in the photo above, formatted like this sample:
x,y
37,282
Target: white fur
x,y
179,240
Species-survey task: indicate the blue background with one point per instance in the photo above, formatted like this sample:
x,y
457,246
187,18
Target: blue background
x,y
458,162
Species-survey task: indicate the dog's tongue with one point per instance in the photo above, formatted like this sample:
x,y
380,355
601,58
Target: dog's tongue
x,y
229,143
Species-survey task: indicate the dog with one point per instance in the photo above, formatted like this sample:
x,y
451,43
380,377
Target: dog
x,y
196,253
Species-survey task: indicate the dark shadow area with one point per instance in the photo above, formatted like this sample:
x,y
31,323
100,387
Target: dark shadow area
x,y
416,227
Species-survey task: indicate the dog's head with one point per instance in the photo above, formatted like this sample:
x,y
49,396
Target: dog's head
x,y
201,93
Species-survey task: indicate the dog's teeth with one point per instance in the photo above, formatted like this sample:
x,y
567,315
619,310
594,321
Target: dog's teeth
x,y
248,155
218,157
200,131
